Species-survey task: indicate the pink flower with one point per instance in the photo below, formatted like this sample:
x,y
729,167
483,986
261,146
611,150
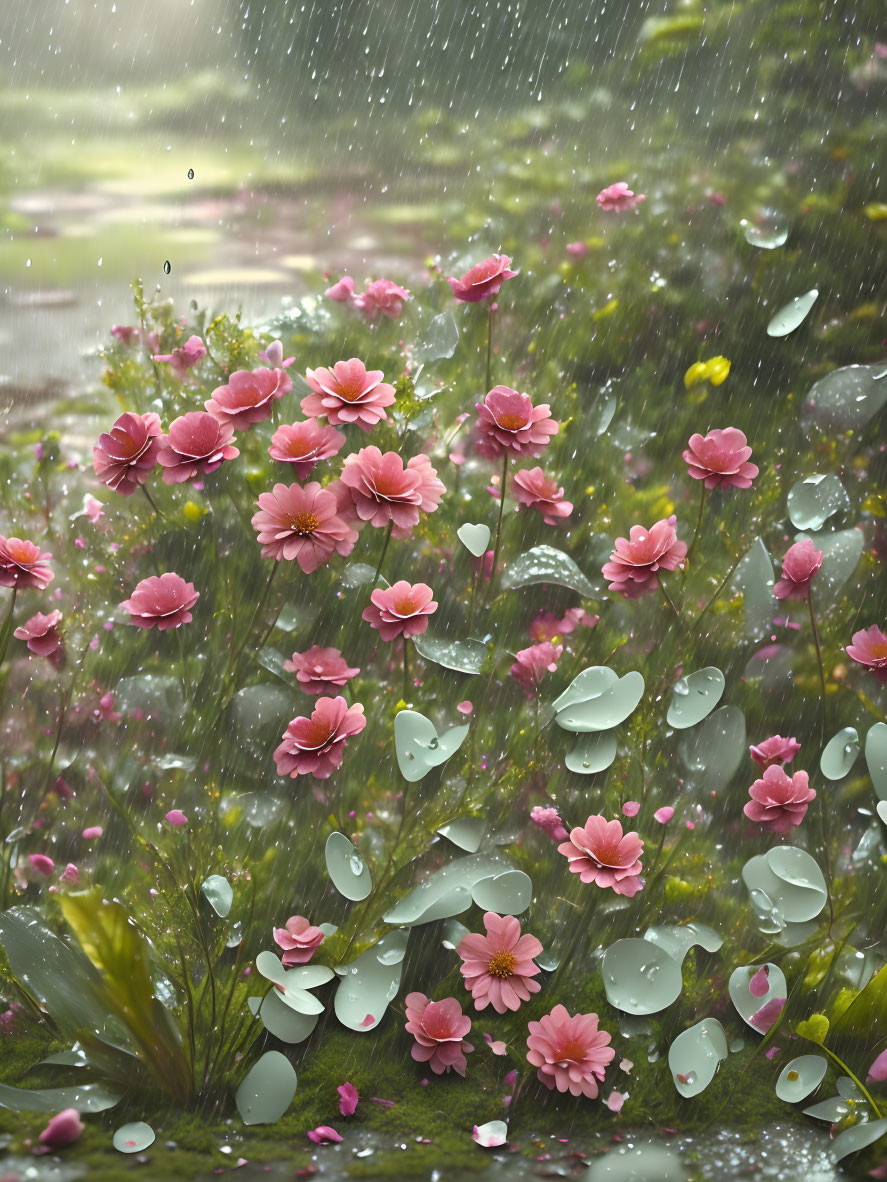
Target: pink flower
x,y
571,1053
382,490
400,610
720,458
664,815
304,444
161,601
766,1016
508,421
759,984
184,357
439,1028
348,1097
869,648
70,874
598,852
801,562
248,397
531,488
618,198
63,1129
93,509
323,1135
633,569
342,292
176,818
92,832
273,354
577,250
483,279
23,566
125,456
496,1045
302,523
534,662
615,1100
547,626
319,670
42,864
549,821
314,746
41,634
775,750
498,968
381,298
196,445
124,333
877,1073
779,801
298,939
349,393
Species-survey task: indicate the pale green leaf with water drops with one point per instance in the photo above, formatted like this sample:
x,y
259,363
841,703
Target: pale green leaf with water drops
x,y
813,500
508,893
876,760
694,697
371,982
870,848
841,552
636,1163
588,684
450,886
418,746
598,414
465,832
475,538
607,710
361,574
678,939
790,880
134,1137
546,564
858,1137
463,656
91,1097
839,754
452,934
753,577
593,753
348,871
272,659
293,984
831,1110
153,695
846,399
746,1003
261,712
695,1055
219,894
766,235
849,1089
801,1077
267,1091
639,977
259,808
713,751
280,1019
791,315
438,339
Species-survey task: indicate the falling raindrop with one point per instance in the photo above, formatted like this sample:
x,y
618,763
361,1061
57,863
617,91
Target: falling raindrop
x,y
167,267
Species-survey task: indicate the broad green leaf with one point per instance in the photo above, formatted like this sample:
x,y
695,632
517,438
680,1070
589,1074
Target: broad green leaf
x,y
695,1056
267,1091
545,564
792,314
464,656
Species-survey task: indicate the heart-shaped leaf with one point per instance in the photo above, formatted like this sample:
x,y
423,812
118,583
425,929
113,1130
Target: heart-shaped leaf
x,y
349,872
418,746
813,500
593,753
695,1056
588,684
751,987
267,1091
607,710
789,880
694,697
280,1019
475,538
840,754
219,894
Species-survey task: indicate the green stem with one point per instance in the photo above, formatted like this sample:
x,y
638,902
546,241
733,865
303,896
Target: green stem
x,y
721,586
489,347
376,576
816,641
474,581
151,501
698,524
6,629
499,518
843,1067
669,600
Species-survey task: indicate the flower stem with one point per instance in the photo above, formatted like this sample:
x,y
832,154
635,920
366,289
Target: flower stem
x,y
723,583
151,501
816,641
489,347
406,670
839,1063
376,576
6,627
698,524
499,519
669,600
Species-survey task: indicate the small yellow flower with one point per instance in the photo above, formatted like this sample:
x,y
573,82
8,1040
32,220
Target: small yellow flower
x,y
191,511
714,371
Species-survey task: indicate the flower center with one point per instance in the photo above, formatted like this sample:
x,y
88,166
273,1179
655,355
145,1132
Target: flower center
x,y
571,1052
502,964
512,422
304,524
350,392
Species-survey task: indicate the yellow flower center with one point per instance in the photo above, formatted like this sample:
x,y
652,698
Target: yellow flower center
x,y
502,964
511,422
304,524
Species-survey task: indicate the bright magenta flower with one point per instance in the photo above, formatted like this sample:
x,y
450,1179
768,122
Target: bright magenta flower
x,y
498,968
348,1098
248,397
349,393
534,662
599,852
320,670
342,292
400,610
720,458
508,422
125,456
633,569
618,198
42,636
869,648
314,746
324,1135
801,562
483,280
439,1028
42,864
181,359
304,444
531,488
302,523
382,297
161,601
775,750
195,445
571,1053
779,801
298,939
23,566
549,821
381,489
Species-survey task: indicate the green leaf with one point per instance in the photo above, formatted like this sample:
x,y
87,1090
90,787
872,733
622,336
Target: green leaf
x,y
545,564
87,1098
465,656
815,1028
792,314
267,1091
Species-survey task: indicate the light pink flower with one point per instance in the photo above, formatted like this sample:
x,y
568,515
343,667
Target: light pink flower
x,y
314,746
184,357
720,458
779,801
599,852
23,566
549,821
618,198
381,489
302,524
775,750
195,445
577,250
534,662
496,1045
124,333
299,940
125,456
634,566
248,396
382,297
348,1098
801,562
498,968
877,1073
767,1015
176,818
508,422
42,636
615,1100
41,863
70,874
349,393
161,601
273,355
483,280
400,610
869,648
319,670
92,832
571,1053
533,489
304,444
664,815
63,1129
547,626
439,1028
324,1135
342,292
93,509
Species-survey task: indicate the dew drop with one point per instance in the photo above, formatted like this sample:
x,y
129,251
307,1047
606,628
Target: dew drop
x,y
190,174
167,267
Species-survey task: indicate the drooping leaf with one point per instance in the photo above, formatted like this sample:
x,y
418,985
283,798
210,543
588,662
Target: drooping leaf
x,y
464,656
694,697
546,564
91,1097
813,500
267,1091
369,983
349,872
219,894
438,340
792,314
419,747
695,1056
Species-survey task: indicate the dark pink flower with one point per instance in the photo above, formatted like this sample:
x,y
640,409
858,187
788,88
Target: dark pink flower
x,y
549,821
508,422
534,662
877,1073
618,198
869,648
41,634
531,488
599,852
342,292
767,1015
382,489
42,864
298,939
498,968
63,1129
125,456
400,610
779,801
383,297
124,333
248,397
184,357
348,1098
483,279
349,393
633,569
720,458
314,746
439,1028
323,1135
195,445
304,444
161,601
570,1052
176,818
775,750
302,523
759,984
319,670
801,562
23,566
